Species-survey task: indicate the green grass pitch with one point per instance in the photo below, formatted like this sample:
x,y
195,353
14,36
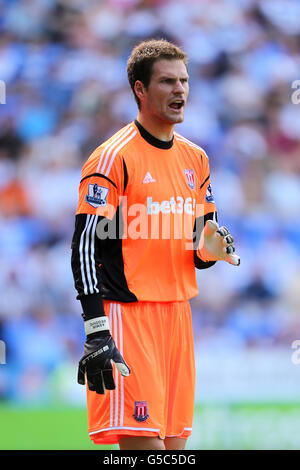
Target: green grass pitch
x,y
228,426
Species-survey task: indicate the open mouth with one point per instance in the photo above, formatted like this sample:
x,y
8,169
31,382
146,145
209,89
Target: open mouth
x,y
176,105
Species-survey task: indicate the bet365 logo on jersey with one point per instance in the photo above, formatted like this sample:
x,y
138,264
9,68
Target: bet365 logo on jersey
x,y
177,205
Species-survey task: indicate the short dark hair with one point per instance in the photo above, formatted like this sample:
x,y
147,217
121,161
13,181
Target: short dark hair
x,y
143,56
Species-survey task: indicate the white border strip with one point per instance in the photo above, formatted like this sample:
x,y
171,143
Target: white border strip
x,y
84,255
121,377
85,289
125,427
116,372
113,145
116,140
183,139
178,435
117,150
93,253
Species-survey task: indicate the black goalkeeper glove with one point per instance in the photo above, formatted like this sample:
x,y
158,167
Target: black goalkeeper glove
x,y
100,351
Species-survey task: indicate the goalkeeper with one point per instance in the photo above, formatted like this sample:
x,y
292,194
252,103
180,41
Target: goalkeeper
x,y
134,282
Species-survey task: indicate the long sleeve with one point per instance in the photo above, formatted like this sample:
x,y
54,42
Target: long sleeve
x,y
199,263
98,203
86,262
209,212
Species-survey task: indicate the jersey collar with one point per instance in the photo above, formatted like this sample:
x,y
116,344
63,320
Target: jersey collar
x,y
161,144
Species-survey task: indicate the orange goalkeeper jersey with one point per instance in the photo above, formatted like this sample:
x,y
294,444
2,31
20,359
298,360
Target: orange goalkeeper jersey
x,y
139,201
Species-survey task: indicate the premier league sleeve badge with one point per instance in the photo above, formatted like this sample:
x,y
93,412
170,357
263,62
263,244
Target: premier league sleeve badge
x,y
209,197
97,195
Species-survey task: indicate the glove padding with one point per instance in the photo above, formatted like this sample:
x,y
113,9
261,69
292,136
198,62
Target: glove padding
x,y
216,243
96,364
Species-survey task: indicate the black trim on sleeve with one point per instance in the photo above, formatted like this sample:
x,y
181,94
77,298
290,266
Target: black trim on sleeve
x,y
125,175
199,226
100,176
204,182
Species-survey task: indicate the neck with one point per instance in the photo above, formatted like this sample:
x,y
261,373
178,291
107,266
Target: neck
x,y
161,130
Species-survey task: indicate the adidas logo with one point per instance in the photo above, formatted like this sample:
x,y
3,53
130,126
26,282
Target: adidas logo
x,y
148,178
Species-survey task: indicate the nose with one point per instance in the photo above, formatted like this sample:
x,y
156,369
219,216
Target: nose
x,y
178,87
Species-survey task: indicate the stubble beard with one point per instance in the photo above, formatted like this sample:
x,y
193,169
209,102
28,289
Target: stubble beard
x,y
171,118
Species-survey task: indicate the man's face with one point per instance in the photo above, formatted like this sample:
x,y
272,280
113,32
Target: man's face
x,y
166,95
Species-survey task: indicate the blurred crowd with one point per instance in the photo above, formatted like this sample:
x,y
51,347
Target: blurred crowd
x,y
64,66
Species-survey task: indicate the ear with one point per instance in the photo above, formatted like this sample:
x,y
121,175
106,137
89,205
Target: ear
x,y
139,89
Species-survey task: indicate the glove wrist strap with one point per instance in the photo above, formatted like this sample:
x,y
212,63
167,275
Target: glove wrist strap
x,y
201,257
95,325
